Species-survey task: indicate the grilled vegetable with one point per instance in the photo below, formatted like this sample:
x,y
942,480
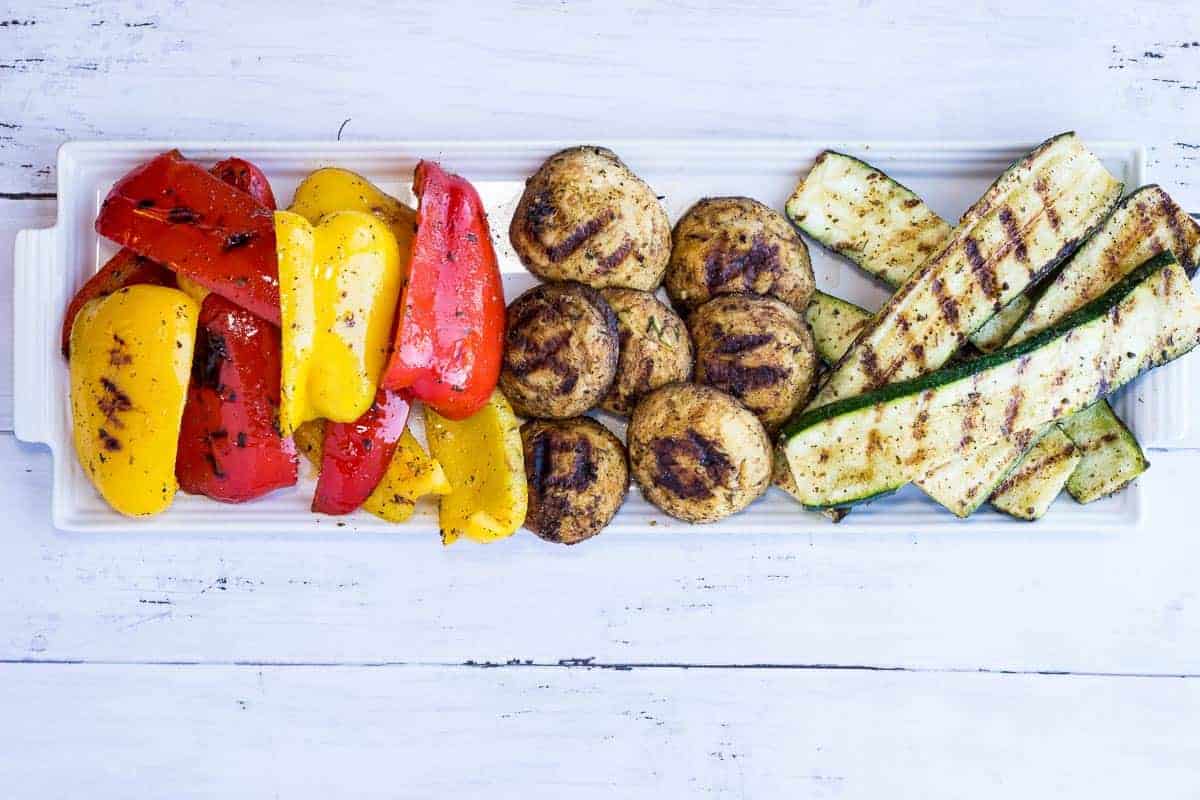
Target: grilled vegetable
x,y
697,453
577,473
584,216
835,325
340,280
859,212
484,464
1031,218
561,351
176,213
870,444
230,446
356,455
655,348
126,268
131,355
1144,223
1110,458
1030,489
757,349
410,475
735,245
449,332
331,189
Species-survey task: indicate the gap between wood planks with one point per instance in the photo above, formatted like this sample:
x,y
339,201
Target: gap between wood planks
x,y
591,663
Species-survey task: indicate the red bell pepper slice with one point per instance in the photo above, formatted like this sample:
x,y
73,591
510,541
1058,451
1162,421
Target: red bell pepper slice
x,y
449,330
230,446
175,212
127,268
356,454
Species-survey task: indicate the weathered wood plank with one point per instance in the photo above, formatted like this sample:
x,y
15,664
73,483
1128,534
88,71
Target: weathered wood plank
x,y
1025,601
458,69
417,732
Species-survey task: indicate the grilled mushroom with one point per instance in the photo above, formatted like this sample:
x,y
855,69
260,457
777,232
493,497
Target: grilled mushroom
x,y
578,477
560,351
757,349
726,245
584,216
655,348
697,453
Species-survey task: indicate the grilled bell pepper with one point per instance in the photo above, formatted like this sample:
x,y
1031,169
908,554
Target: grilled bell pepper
x,y
485,464
175,212
450,327
331,189
127,268
355,455
339,282
230,447
131,354
411,475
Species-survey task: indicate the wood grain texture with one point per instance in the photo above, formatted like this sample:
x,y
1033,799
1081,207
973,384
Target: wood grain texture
x,y
1026,601
413,732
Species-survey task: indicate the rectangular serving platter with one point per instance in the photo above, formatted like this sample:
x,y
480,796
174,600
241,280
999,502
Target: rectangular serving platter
x,y
51,263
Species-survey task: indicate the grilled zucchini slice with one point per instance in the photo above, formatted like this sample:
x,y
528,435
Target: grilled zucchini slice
x,y
861,213
835,324
1146,222
1037,481
870,444
1031,219
1110,458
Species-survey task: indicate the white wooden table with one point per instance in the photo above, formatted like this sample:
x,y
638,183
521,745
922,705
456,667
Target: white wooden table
x,y
899,665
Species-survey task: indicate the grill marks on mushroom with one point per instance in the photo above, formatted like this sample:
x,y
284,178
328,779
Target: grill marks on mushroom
x,y
584,216
757,349
560,354
578,477
728,245
655,348
697,453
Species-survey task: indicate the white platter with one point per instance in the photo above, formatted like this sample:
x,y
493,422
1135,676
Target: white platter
x,y
51,263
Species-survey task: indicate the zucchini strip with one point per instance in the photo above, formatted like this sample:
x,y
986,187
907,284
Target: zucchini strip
x,y
1037,481
1110,458
1146,222
864,215
1030,220
866,445
835,324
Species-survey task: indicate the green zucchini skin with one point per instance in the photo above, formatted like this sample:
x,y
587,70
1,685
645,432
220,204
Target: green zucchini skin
x,y
835,324
1145,222
1031,220
858,447
1035,483
1110,458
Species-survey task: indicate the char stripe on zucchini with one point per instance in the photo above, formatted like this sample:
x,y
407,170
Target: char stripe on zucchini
x,y
1029,220
1146,222
870,444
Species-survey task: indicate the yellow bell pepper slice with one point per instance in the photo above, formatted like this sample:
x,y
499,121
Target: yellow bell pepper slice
x,y
191,288
483,459
339,282
332,189
131,358
411,474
